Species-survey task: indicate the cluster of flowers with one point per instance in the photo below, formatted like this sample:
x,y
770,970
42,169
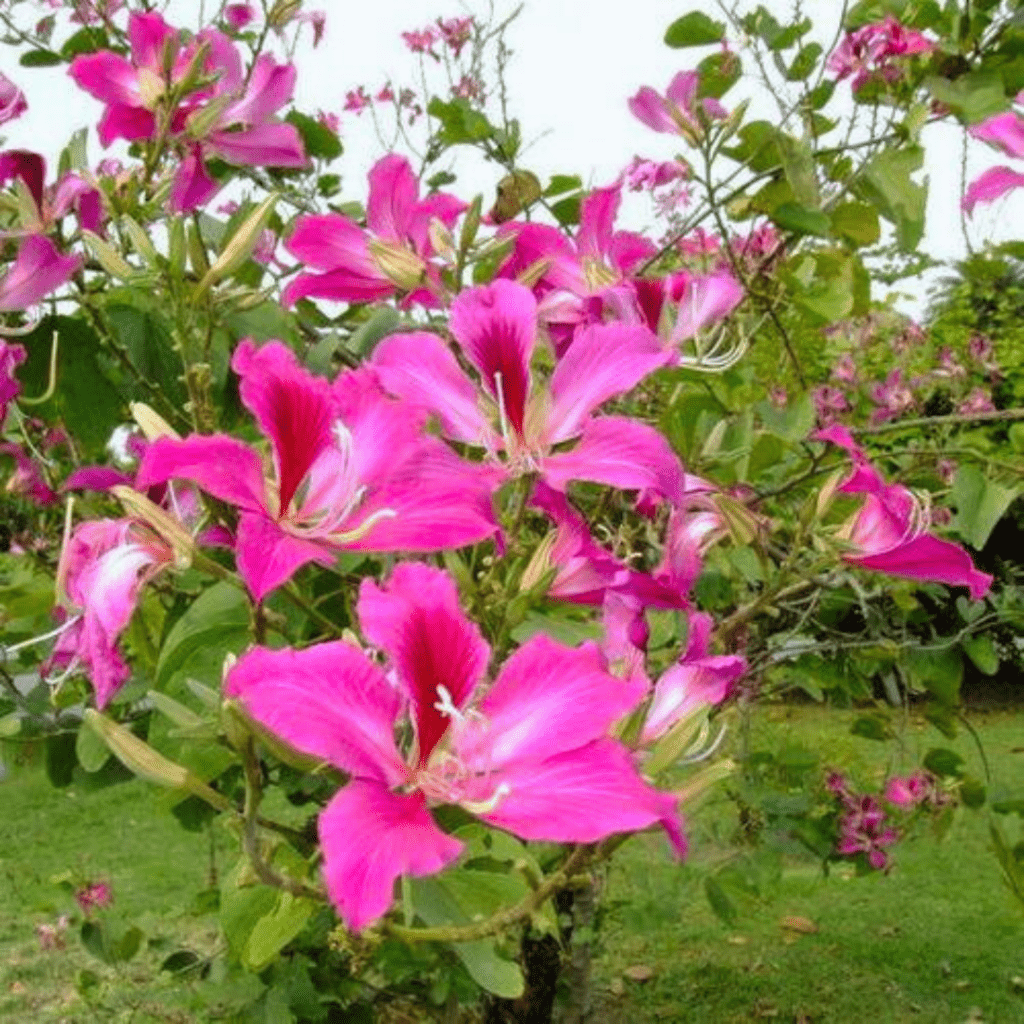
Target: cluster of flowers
x,y
865,828
877,53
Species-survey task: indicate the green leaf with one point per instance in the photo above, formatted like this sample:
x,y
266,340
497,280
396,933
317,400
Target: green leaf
x,y
973,793
973,97
694,29
804,63
886,183
61,759
40,59
857,223
275,930
320,142
793,423
801,219
243,906
218,619
85,398
937,670
567,210
562,183
460,123
944,762
980,504
90,748
872,727
148,343
384,320
720,903
798,163
718,72
85,40
982,652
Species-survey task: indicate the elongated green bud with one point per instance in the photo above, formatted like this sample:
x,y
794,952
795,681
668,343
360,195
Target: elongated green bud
x,y
241,245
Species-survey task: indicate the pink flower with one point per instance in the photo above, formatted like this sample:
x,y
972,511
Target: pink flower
x,y
394,253
12,100
908,792
889,533
678,110
892,397
469,87
11,357
330,121
516,420
647,175
422,41
530,753
456,32
862,832
386,94
27,479
829,402
978,401
357,100
351,470
877,52
37,270
94,896
239,15
102,570
845,370
54,202
51,936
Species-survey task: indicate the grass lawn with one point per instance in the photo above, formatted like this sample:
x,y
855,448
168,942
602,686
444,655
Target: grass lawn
x,y
937,941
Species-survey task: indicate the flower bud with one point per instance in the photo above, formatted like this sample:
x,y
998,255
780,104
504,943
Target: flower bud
x,y
398,264
240,246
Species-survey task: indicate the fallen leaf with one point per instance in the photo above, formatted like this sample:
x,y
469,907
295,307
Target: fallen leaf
x,y
639,973
1017,983
737,940
17,988
616,986
889,931
961,986
803,925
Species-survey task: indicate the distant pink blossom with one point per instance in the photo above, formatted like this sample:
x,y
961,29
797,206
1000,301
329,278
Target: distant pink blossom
x,y
422,40
12,100
357,100
386,94
27,479
845,370
330,121
893,397
456,32
877,52
910,791
678,111
469,88
829,402
94,896
978,401
530,753
52,936
647,175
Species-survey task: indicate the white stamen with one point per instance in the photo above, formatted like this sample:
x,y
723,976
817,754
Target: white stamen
x,y
446,705
486,806
703,755
502,414
6,651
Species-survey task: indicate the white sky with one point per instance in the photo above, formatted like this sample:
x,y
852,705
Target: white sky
x,y
575,64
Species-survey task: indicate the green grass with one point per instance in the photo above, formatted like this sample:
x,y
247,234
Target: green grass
x,y
937,941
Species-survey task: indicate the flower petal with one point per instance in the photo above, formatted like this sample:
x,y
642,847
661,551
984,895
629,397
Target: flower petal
x,y
622,453
268,556
496,326
329,701
391,203
603,361
371,836
991,185
929,558
416,619
37,270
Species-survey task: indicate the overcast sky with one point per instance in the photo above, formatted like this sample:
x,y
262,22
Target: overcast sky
x,y
573,69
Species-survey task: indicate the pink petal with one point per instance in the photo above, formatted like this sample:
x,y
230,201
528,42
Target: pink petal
x,y
534,242
627,250
707,300
148,34
597,221
649,107
1004,131
293,408
417,621
420,368
109,78
929,558
370,837
220,465
622,453
682,90
122,121
581,796
95,478
605,360
547,699
390,205
991,185
30,167
269,556
496,326
270,87
37,270
192,187
329,701
263,145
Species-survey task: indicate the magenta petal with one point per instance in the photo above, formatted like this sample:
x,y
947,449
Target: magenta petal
x,y
534,242
391,203
929,558
991,185
95,478
219,464
148,34
370,837
605,360
108,77
707,300
496,326
268,556
580,796
547,699
597,221
121,121
627,249
38,269
649,107
270,87
192,186
292,406
417,621
329,701
1004,131
682,90
622,453
420,368
263,145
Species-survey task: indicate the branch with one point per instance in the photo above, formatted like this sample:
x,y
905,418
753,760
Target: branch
x,y
1000,415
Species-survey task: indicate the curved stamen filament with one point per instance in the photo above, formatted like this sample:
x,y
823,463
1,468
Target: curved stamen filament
x,y
7,651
